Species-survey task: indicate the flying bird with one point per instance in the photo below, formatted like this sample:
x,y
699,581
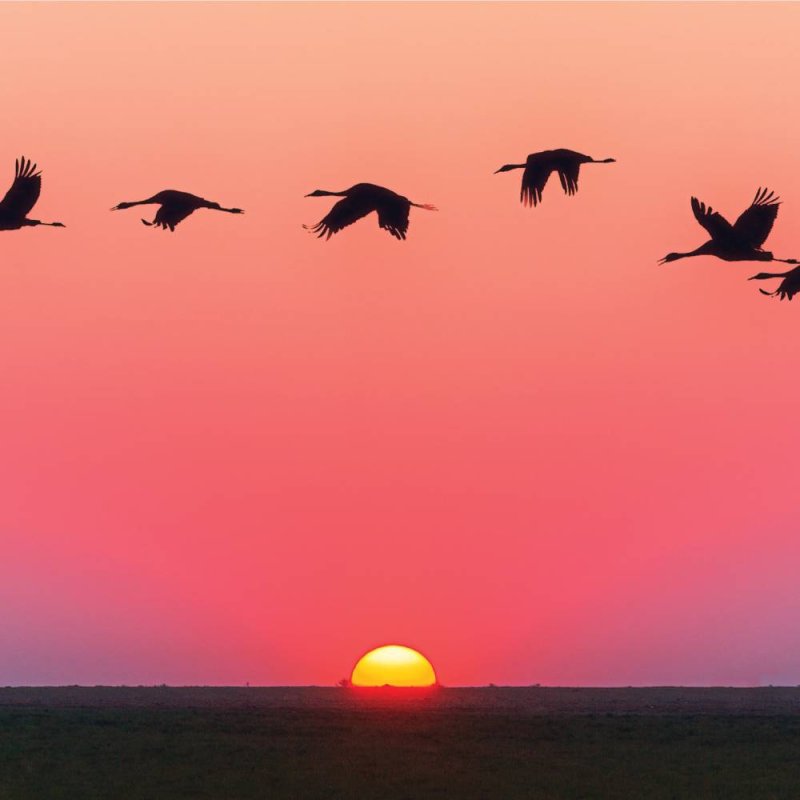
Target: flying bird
x,y
21,198
175,207
788,287
741,241
360,200
538,166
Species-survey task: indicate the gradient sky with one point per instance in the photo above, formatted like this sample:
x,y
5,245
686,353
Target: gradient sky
x,y
237,453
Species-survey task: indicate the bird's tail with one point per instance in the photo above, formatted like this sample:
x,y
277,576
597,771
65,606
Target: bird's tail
x,y
426,206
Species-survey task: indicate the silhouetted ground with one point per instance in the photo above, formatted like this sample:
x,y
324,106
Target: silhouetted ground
x,y
242,743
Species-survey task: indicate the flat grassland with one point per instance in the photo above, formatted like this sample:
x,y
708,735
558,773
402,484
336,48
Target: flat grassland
x,y
156,743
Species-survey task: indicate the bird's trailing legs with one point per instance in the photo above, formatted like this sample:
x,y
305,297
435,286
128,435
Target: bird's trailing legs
x,y
33,222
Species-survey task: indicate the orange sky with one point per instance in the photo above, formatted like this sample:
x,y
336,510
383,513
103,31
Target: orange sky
x,y
236,453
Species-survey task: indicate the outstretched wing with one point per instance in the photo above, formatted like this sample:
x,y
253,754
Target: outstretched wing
x,y
717,226
537,171
393,216
755,223
24,192
568,170
343,213
789,286
170,214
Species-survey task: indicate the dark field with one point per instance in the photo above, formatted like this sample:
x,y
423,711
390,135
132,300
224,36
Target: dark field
x,y
231,743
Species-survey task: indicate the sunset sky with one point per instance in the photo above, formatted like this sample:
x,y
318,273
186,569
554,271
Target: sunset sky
x,y
238,453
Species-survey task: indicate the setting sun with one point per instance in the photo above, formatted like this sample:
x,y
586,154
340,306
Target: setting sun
x,y
393,665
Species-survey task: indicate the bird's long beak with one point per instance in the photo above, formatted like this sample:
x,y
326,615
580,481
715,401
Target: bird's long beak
x,y
308,195
114,208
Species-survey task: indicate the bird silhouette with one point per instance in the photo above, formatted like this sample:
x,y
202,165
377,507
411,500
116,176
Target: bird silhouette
x,y
360,200
741,241
788,287
538,166
22,197
175,207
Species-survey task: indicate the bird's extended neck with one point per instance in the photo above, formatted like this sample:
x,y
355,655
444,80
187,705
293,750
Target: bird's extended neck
x,y
704,249
507,167
132,203
602,160
763,276
326,193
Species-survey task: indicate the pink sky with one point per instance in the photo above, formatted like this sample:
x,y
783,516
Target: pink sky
x,y
236,453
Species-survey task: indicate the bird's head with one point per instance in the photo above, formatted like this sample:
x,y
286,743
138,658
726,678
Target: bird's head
x,y
236,210
670,257
609,161
122,206
318,193
507,167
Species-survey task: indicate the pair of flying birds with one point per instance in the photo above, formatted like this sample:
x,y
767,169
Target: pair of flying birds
x,y
741,241
24,192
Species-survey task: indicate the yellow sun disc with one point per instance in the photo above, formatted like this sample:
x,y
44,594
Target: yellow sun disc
x,y
393,665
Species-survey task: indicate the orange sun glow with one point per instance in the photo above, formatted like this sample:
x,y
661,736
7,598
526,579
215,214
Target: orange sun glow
x,y
393,665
